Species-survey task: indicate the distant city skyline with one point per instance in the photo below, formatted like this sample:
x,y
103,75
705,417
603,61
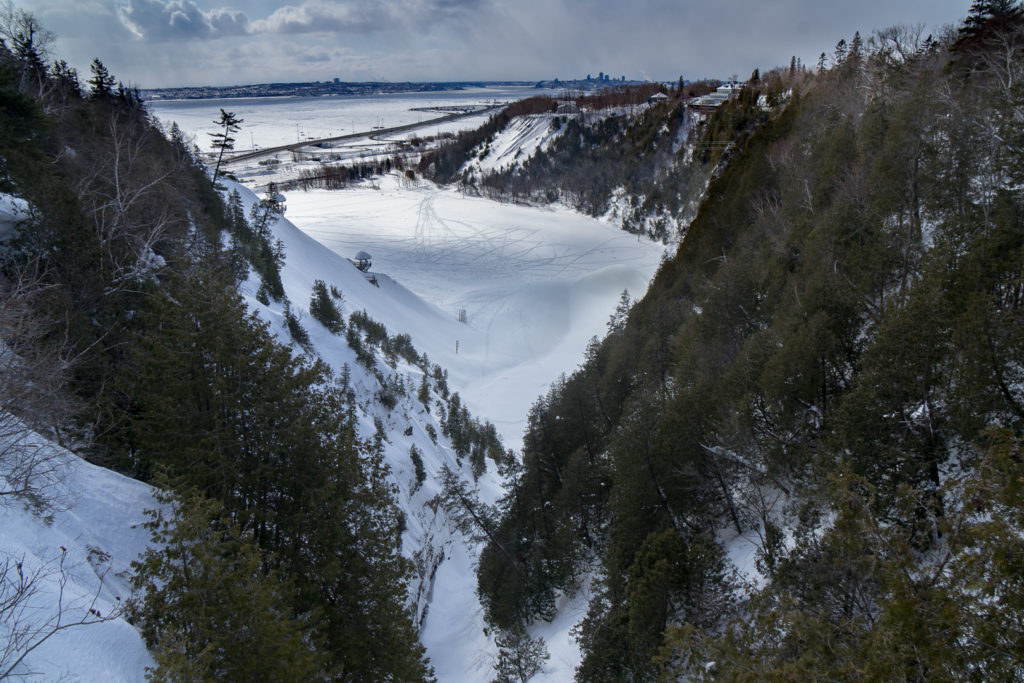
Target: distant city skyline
x,y
173,43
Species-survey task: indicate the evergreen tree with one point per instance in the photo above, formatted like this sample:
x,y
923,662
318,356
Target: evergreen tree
x,y
295,329
856,46
269,436
208,606
322,308
66,77
841,52
417,463
983,14
101,84
267,211
423,394
520,657
223,140
617,320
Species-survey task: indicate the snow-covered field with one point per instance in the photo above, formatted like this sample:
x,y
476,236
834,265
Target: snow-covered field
x,y
535,283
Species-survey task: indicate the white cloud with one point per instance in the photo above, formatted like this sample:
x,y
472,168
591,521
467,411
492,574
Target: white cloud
x,y
315,16
160,20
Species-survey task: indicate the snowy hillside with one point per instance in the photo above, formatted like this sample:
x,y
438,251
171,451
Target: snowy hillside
x,y
73,569
515,143
535,286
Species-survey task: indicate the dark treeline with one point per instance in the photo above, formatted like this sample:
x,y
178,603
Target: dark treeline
x,y
831,365
337,176
280,556
625,96
635,95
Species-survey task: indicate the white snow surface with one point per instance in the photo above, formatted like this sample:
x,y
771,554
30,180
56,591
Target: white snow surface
x,y
12,211
536,283
97,520
270,121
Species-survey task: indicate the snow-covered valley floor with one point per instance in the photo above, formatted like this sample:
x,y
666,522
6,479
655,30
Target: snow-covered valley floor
x,y
535,283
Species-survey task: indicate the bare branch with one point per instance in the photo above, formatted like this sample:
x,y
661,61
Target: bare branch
x,y
27,623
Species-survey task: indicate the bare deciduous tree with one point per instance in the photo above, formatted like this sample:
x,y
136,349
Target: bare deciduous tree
x,y
28,618
122,196
32,399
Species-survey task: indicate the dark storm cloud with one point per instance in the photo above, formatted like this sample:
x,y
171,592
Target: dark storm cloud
x,y
185,19
354,16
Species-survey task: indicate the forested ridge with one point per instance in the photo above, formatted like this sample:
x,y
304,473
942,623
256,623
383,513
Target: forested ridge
x,y
831,366
125,339
613,153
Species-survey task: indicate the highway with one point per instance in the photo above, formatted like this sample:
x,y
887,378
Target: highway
x,y
270,151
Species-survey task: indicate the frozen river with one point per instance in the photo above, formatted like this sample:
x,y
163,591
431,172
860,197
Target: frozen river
x,y
272,121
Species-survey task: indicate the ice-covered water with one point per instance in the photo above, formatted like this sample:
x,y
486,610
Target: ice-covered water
x,y
272,121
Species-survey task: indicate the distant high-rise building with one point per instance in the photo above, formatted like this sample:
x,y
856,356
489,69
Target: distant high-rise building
x,y
337,80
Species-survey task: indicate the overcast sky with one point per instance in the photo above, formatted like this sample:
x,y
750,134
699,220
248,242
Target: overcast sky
x,y
162,43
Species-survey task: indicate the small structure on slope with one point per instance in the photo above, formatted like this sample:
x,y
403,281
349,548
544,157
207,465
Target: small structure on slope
x,y
362,261
707,104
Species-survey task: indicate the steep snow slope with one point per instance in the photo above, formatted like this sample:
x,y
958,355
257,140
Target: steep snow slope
x,y
515,143
79,555
428,539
